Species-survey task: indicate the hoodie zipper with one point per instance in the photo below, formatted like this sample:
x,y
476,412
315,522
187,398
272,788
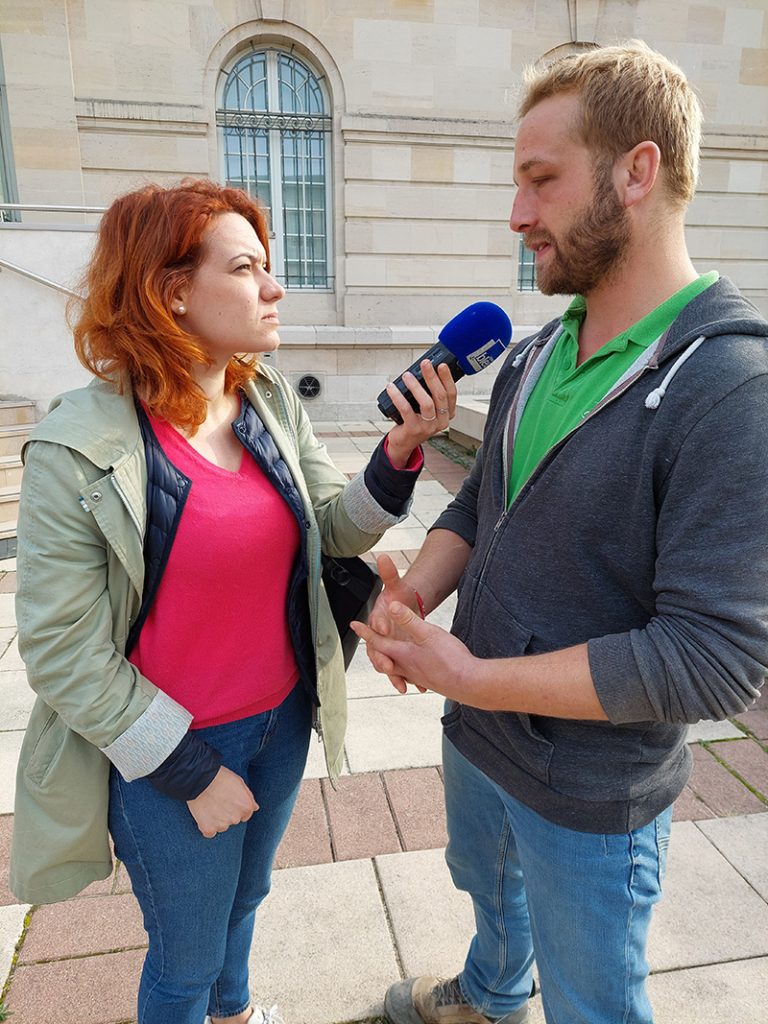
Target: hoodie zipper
x,y
611,397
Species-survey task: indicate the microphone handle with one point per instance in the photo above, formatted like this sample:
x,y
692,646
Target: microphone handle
x,y
436,355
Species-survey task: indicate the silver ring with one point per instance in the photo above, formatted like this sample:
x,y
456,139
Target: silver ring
x,y
428,419
443,412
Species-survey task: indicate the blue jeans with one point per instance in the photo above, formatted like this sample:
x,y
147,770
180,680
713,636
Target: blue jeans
x,y
579,903
199,896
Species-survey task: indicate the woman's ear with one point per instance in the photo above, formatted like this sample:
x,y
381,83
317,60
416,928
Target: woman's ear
x,y
638,171
178,303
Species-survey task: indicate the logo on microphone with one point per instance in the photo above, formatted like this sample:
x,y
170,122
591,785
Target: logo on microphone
x,y
484,355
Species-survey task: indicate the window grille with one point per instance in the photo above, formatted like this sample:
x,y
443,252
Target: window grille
x,y
7,177
526,269
274,128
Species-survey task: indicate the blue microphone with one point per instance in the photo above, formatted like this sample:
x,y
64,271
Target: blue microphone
x,y
468,343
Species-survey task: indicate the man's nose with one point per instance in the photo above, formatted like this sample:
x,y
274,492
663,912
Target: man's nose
x,y
522,217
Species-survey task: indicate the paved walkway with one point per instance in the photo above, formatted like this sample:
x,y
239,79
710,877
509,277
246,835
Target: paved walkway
x,y
362,895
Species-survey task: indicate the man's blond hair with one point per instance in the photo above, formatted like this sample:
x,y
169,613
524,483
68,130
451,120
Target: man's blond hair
x,y
628,94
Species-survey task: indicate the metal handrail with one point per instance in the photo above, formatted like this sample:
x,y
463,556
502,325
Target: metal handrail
x,y
5,264
45,208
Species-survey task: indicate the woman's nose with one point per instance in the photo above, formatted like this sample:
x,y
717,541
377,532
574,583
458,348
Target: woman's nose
x,y
271,289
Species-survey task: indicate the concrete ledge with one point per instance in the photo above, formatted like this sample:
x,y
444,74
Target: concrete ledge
x,y
468,425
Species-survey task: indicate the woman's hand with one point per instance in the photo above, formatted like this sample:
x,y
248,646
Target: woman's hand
x,y
437,406
380,620
226,801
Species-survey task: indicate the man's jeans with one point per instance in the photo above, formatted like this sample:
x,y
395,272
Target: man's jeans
x,y
578,902
199,896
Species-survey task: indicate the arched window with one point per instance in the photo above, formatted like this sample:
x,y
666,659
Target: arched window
x,y
274,129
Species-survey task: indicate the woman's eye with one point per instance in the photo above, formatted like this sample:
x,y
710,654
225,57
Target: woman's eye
x,y
244,266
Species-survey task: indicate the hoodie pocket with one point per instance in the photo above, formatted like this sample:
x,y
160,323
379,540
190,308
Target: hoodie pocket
x,y
496,633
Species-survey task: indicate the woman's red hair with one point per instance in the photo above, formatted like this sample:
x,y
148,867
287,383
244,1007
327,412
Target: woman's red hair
x,y
148,245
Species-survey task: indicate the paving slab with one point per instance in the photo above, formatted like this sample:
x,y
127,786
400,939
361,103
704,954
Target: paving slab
x,y
403,731
10,745
399,538
367,444
418,807
743,841
425,518
709,731
307,839
424,487
432,922
357,427
443,615
316,767
756,721
6,832
16,700
337,445
86,990
360,819
7,633
690,807
736,993
11,659
749,759
11,927
82,927
346,462
708,913
424,503
7,582
364,681
720,790
323,950
7,610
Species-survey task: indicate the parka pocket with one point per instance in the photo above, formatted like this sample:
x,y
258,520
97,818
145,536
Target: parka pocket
x,y
46,748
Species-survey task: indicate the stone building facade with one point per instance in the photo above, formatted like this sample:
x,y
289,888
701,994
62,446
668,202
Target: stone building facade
x,y
383,129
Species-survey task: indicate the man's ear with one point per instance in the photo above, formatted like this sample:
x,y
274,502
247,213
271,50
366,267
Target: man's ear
x,y
637,171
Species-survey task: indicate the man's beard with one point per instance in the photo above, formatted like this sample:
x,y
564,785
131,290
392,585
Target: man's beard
x,y
594,247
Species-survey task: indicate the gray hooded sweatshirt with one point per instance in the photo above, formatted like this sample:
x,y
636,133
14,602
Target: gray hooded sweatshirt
x,y
644,533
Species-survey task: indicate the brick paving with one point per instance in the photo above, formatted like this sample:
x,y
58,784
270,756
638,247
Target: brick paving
x,y
79,962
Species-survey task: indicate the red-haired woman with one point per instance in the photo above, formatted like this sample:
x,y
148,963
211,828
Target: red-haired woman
x,y
170,608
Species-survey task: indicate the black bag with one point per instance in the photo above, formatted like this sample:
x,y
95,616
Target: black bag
x,y
352,587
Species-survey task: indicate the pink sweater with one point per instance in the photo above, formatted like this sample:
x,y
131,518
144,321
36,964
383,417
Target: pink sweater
x,y
216,638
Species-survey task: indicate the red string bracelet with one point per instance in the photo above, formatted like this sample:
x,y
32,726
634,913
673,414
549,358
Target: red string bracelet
x,y
420,603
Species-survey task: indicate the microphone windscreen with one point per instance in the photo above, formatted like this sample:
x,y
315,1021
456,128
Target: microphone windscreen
x,y
477,335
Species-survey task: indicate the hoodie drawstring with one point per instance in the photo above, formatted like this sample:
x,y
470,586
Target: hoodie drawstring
x,y
653,399
521,355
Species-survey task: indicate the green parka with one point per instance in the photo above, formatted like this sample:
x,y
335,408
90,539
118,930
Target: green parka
x,y
80,579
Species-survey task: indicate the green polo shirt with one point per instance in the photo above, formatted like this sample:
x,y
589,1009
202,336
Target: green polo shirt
x,y
565,392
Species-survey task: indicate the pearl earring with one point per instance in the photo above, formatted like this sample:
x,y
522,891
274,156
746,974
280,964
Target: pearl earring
x,y
182,309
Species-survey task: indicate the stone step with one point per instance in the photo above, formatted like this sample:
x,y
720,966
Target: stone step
x,y
17,410
10,471
12,437
9,504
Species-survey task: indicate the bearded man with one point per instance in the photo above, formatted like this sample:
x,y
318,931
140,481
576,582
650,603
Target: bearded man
x,y
610,547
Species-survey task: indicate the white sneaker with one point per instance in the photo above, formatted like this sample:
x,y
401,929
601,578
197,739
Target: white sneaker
x,y
260,1015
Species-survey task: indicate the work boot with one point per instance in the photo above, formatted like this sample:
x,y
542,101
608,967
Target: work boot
x,y
429,1000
